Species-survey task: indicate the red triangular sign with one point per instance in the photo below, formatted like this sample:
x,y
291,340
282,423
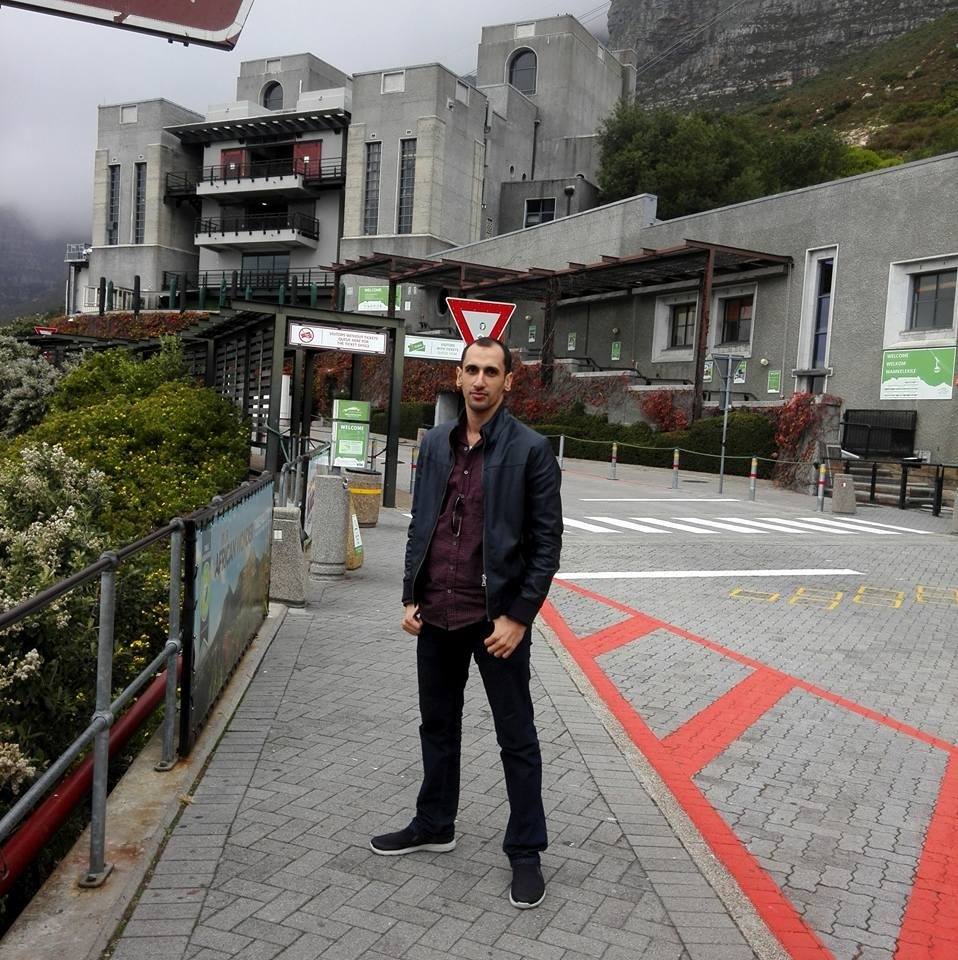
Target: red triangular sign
x,y
480,318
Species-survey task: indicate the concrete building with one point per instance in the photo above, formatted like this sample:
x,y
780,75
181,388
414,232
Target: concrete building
x,y
864,307
309,166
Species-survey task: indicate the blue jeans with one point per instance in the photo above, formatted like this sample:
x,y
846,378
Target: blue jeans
x,y
443,662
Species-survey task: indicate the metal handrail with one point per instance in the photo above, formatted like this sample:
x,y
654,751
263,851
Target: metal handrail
x,y
253,279
904,465
107,708
261,222
285,167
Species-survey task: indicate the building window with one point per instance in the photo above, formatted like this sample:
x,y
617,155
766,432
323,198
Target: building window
x,y
932,301
139,202
128,114
407,184
539,210
273,96
522,71
374,157
264,269
394,82
681,325
737,319
113,206
823,312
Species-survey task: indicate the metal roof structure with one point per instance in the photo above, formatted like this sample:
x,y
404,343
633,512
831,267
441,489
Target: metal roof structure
x,y
686,262
262,126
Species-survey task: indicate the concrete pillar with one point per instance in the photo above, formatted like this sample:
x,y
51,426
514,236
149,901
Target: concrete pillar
x,y
287,578
954,515
843,494
330,519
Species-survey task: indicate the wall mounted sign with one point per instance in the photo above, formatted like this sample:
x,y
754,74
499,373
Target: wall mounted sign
x,y
924,374
774,381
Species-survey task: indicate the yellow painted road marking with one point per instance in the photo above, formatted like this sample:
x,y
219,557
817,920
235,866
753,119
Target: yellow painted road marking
x,y
879,597
945,595
825,599
740,593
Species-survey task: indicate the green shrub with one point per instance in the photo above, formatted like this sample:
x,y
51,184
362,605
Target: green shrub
x,y
412,416
26,384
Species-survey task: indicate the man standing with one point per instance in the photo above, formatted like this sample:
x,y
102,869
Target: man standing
x,y
483,547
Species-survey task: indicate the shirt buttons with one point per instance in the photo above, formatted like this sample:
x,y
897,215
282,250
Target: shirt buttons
x,y
465,473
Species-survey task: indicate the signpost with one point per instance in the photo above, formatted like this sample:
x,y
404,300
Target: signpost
x,y
480,318
728,367
212,23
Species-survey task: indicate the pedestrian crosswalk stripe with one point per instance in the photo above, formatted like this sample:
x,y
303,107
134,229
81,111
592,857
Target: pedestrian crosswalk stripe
x,y
830,524
890,526
627,524
803,525
733,527
591,527
768,526
671,525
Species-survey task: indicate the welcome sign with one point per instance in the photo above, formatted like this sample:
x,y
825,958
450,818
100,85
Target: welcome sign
x,y
924,374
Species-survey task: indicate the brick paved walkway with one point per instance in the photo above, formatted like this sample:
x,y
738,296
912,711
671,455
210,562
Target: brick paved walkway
x,y
270,859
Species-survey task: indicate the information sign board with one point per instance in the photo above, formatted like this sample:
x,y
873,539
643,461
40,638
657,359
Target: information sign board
x,y
923,374
336,338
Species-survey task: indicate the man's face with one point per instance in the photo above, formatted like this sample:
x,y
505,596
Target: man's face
x,y
482,379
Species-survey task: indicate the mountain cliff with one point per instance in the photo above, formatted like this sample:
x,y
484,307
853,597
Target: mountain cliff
x,y
32,273
716,53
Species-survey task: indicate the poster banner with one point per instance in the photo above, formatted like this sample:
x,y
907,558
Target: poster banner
x,y
355,410
924,374
434,348
350,441
774,381
740,371
336,338
707,369
616,349
376,299
232,593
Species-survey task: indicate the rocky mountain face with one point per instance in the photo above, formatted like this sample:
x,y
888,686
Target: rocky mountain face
x,y
717,53
32,272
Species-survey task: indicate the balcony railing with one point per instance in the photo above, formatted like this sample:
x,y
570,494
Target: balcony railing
x,y
259,223
313,174
253,280
77,253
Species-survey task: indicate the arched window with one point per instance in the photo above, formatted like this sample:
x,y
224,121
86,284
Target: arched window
x,y
522,71
273,96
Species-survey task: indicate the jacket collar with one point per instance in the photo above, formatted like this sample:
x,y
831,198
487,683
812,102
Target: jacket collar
x,y
489,431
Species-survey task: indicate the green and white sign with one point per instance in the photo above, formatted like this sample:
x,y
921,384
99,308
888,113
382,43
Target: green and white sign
x,y
740,372
925,374
570,342
616,349
355,410
774,381
707,368
376,299
434,348
349,443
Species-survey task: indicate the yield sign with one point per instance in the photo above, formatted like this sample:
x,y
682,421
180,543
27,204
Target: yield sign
x,y
480,318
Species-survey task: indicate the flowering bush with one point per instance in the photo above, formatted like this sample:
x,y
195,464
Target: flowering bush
x,y
123,324
26,383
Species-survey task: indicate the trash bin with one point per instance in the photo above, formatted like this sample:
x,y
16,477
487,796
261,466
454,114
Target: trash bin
x,y
366,493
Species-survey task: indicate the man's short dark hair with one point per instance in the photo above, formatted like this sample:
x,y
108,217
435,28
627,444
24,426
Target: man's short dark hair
x,y
490,342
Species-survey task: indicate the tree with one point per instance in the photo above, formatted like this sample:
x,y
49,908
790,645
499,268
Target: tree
x,y
699,161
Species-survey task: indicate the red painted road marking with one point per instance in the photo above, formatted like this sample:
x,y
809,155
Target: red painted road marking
x,y
772,905
930,927
710,732
618,635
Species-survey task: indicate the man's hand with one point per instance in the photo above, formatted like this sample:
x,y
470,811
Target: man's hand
x,y
506,635
410,621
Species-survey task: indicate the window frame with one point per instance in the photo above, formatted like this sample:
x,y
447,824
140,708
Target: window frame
x,y
113,205
914,278
370,224
897,334
540,200
401,86
406,186
724,340
511,66
268,88
689,327
138,231
741,348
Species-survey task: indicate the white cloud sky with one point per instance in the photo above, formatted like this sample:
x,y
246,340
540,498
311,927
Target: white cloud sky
x,y
55,72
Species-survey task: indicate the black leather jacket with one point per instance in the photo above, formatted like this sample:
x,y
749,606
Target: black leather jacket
x,y
522,514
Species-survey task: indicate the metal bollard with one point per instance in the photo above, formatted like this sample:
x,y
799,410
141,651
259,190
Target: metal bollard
x,y
675,469
615,457
821,487
561,451
99,869
412,469
752,477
